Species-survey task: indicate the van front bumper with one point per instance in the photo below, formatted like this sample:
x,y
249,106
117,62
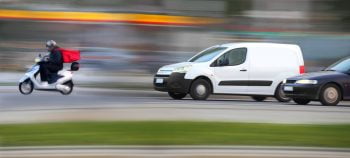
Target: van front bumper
x,y
175,82
304,91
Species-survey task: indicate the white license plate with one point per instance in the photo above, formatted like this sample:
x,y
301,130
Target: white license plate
x,y
288,88
159,80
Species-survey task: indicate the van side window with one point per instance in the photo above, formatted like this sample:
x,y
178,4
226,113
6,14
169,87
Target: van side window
x,y
232,58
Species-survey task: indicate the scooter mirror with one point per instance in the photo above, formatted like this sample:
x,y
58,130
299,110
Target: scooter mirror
x,y
39,55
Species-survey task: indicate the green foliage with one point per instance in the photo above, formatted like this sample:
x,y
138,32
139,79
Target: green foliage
x,y
174,133
236,6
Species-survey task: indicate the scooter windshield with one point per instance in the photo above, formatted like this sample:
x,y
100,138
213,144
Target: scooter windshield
x,y
33,68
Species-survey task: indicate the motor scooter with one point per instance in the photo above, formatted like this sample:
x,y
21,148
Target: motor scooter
x,y
61,81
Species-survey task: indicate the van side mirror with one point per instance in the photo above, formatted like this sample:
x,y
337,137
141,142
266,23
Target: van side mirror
x,y
223,62
220,62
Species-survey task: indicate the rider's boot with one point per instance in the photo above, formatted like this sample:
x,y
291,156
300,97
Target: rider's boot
x,y
45,83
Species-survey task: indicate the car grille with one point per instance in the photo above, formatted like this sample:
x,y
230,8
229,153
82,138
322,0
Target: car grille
x,y
291,81
162,75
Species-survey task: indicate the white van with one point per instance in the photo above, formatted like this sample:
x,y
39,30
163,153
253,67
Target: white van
x,y
251,69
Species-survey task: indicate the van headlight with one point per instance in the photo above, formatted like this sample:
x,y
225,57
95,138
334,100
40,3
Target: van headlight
x,y
183,69
284,81
306,82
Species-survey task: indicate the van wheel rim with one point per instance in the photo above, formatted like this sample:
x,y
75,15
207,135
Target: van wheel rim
x,y
331,95
26,87
201,90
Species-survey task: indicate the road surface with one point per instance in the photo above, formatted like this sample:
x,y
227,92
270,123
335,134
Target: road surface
x,y
104,104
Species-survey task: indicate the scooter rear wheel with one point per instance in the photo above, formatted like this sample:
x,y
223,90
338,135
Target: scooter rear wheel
x,y
70,85
26,87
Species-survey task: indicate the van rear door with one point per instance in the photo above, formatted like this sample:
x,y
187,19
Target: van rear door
x,y
269,66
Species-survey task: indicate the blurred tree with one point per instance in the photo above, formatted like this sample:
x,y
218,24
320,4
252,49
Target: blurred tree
x,y
234,7
342,9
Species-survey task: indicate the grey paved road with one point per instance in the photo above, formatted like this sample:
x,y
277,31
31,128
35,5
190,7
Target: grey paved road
x,y
102,104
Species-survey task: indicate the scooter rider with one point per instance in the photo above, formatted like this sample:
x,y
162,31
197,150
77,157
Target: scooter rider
x,y
52,63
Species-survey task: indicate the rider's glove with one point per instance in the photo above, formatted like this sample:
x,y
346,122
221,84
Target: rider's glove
x,y
46,59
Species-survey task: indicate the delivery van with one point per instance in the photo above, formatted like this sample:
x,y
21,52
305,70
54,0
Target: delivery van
x,y
250,69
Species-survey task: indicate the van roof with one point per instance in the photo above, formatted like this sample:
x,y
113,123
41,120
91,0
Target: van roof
x,y
254,44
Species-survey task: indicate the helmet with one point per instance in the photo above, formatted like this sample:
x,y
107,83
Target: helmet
x,y
51,44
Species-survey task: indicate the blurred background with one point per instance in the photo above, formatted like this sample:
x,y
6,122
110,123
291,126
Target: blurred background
x,y
124,42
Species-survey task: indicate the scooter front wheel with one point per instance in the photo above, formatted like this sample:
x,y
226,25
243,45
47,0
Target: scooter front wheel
x,y
69,89
26,87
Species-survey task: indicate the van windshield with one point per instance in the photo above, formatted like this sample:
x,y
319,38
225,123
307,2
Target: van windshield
x,y
208,54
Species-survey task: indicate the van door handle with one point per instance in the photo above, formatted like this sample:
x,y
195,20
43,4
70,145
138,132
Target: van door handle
x,y
243,70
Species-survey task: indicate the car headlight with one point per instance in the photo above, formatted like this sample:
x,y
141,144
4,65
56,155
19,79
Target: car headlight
x,y
164,72
307,82
182,69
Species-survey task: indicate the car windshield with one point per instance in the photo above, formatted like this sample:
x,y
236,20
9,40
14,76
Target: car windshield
x,y
340,66
208,54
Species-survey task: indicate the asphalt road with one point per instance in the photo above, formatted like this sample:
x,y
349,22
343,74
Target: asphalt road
x,y
102,104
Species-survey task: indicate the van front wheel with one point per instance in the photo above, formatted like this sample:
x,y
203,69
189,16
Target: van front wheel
x,y
177,96
200,89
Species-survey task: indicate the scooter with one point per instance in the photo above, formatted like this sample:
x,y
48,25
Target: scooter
x,y
60,81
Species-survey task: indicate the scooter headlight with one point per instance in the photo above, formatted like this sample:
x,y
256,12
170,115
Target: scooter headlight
x,y
183,69
37,60
307,82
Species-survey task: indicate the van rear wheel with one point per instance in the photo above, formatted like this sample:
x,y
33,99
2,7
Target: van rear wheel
x,y
177,96
280,95
200,89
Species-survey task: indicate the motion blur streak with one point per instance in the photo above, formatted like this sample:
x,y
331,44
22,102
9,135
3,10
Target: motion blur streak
x,y
105,17
124,42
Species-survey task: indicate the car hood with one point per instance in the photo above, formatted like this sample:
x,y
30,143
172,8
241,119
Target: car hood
x,y
317,75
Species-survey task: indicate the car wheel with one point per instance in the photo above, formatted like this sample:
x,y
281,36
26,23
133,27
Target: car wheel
x,y
301,101
330,95
200,89
26,87
177,96
280,95
259,98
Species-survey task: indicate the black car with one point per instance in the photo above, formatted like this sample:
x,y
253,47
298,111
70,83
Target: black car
x,y
328,86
